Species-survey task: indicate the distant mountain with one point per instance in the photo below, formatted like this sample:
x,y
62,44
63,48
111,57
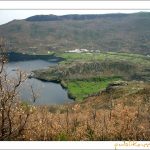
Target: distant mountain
x,y
72,17
105,32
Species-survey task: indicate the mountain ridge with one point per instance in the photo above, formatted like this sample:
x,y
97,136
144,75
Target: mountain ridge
x,y
105,32
52,17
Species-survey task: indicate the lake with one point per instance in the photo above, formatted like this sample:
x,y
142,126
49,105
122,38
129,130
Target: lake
x,y
48,93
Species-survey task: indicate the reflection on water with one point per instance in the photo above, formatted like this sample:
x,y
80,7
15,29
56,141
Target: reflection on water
x,y
47,92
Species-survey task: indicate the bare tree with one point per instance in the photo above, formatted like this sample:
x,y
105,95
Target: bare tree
x,y
13,115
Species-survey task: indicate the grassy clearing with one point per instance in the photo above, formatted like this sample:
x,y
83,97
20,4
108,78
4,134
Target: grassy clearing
x,y
85,74
80,89
133,58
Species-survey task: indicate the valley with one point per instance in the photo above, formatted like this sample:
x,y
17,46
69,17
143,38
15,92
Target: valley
x,y
88,78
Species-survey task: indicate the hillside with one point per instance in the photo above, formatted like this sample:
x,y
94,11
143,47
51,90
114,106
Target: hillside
x,y
86,74
120,113
109,32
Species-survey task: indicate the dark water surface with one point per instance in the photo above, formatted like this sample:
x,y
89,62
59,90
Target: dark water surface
x,y
47,92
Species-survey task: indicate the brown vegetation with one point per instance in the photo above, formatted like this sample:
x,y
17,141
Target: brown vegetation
x,y
121,112
113,115
13,115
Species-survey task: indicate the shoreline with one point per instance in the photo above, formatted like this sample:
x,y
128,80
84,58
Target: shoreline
x,y
16,56
57,82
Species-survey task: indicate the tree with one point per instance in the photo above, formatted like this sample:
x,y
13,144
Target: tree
x,y
13,114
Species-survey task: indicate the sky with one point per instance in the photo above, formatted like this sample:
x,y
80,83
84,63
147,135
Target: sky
x,y
10,10
9,15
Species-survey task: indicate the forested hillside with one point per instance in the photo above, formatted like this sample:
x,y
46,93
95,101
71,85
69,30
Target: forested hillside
x,y
109,32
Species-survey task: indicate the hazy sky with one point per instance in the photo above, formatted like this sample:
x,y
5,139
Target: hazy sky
x,y
10,10
9,15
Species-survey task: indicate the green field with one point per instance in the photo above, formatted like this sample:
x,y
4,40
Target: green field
x,y
114,56
80,89
85,74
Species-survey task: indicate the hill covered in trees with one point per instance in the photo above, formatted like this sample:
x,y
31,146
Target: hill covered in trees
x,y
104,32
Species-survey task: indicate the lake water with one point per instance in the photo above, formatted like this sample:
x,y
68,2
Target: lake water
x,y
47,92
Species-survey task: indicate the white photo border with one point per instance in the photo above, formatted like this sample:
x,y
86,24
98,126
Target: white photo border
x,y
75,5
